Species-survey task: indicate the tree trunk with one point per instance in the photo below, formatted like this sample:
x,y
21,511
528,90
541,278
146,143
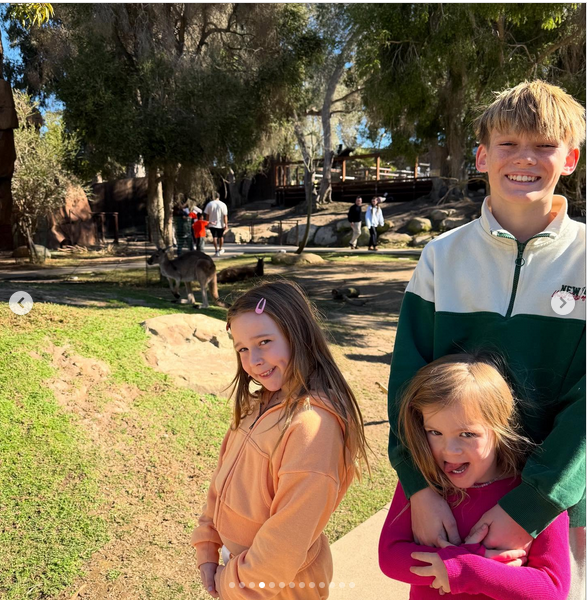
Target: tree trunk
x,y
169,174
154,205
309,175
238,189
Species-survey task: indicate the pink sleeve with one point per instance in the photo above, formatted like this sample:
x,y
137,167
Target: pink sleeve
x,y
396,544
546,576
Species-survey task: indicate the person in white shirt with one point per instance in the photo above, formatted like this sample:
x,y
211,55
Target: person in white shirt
x,y
217,214
373,219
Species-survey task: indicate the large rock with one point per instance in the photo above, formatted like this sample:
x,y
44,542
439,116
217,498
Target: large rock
x,y
73,224
325,236
419,225
453,223
387,225
343,225
440,214
196,351
42,253
290,258
421,240
391,237
292,239
239,235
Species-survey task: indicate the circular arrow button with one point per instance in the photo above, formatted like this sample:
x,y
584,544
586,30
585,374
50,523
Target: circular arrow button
x,y
20,303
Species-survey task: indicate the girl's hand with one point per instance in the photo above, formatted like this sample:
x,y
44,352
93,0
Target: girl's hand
x,y
503,532
436,569
207,573
217,576
432,519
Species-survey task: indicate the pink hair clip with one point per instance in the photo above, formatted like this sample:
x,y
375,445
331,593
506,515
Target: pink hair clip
x,y
260,306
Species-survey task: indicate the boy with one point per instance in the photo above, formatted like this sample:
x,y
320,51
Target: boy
x,y
493,284
199,229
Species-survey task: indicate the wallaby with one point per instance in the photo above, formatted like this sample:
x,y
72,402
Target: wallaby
x,y
190,266
232,274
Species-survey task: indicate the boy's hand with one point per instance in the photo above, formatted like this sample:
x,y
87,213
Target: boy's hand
x,y
503,534
436,569
512,558
432,519
208,572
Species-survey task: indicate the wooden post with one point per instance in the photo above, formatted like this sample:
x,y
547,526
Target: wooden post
x,y
343,174
377,167
416,169
115,227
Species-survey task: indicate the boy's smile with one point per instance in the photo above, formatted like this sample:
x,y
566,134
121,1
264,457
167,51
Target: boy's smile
x,y
524,169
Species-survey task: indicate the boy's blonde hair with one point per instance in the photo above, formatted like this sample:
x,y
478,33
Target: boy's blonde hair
x,y
477,383
535,108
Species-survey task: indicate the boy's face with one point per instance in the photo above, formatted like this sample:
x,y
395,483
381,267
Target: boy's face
x,y
524,169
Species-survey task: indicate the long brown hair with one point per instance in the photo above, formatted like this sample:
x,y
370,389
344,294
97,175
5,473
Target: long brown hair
x,y
477,381
312,370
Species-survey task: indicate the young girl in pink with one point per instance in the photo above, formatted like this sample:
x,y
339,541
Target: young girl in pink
x,y
458,420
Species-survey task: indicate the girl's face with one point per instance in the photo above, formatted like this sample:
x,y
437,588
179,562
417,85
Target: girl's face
x,y
464,450
263,349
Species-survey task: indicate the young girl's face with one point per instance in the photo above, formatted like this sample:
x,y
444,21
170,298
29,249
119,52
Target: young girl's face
x,y
463,448
263,349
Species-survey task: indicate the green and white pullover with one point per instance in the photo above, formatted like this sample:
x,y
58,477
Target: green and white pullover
x,y
478,288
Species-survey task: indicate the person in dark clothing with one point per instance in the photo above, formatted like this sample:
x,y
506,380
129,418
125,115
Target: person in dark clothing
x,y
354,218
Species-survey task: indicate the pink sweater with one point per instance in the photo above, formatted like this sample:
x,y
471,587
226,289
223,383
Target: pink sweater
x,y
471,575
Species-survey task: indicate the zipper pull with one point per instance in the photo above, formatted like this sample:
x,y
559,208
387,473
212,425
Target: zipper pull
x,y
520,260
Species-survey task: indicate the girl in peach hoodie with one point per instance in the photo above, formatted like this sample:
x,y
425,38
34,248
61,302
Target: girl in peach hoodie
x,y
287,460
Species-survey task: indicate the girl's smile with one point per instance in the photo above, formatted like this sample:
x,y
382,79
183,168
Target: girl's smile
x,y
262,347
462,447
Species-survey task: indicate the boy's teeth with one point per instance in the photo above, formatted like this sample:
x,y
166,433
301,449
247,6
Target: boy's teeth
x,y
521,178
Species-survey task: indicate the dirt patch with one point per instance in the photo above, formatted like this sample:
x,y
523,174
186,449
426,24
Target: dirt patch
x,y
194,350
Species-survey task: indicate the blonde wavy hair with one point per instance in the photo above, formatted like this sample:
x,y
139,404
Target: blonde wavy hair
x,y
535,108
477,382
312,370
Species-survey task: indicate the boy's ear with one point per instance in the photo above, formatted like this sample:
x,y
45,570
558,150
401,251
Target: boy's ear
x,y
481,159
571,161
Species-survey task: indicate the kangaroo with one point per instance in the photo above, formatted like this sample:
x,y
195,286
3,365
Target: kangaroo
x,y
232,274
190,266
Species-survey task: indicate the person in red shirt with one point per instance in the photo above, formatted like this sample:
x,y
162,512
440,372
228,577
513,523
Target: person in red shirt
x,y
199,230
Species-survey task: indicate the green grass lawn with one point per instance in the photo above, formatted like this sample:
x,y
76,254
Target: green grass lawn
x,y
56,481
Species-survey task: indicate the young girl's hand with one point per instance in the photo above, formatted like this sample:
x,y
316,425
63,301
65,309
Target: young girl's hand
x,y
208,572
504,533
436,569
432,519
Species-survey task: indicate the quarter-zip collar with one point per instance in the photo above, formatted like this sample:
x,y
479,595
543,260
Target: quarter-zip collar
x,y
551,231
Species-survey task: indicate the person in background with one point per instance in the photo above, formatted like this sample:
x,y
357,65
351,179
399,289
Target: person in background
x,y
217,213
373,219
354,218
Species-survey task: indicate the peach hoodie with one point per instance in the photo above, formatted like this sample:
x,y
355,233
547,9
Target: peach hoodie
x,y
272,522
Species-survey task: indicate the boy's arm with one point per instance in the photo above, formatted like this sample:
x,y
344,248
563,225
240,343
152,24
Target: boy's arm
x,y
396,544
546,574
553,479
413,349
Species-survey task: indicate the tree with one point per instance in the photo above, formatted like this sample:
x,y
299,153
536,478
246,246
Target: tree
x,y
430,66
192,85
40,180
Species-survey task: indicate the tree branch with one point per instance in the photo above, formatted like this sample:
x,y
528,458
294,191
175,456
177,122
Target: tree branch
x,y
343,98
